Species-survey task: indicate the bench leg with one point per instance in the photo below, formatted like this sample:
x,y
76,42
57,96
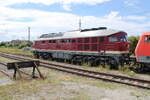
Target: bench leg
x,y
33,72
17,68
38,70
14,76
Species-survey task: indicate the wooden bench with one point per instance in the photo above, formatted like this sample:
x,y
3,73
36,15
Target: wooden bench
x,y
24,64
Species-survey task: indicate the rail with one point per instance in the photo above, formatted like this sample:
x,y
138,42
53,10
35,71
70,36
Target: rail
x,y
87,73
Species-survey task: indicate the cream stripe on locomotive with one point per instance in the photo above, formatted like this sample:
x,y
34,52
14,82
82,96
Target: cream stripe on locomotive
x,y
107,52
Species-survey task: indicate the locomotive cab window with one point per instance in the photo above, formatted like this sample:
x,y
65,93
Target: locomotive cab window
x,y
62,41
73,41
52,41
43,42
147,39
123,37
113,39
101,39
68,41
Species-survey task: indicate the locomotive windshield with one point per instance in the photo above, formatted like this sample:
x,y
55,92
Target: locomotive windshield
x,y
147,39
113,39
123,37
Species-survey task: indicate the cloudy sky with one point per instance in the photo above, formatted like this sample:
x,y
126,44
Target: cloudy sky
x,y
46,16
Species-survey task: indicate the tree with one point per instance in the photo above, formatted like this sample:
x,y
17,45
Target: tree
x,y
133,40
23,44
2,44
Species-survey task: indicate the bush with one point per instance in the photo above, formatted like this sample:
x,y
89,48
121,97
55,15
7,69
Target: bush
x,y
133,40
2,44
8,45
20,46
23,44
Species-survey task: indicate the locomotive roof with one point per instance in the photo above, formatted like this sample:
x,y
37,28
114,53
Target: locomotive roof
x,y
80,34
146,33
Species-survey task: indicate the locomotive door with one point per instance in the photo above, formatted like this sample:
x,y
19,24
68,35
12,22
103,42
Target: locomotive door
x,y
58,45
68,44
101,47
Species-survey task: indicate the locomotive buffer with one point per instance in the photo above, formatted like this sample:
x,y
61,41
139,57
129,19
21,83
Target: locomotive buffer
x,y
25,64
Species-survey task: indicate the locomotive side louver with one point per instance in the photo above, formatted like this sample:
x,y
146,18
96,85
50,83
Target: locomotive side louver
x,y
51,35
92,29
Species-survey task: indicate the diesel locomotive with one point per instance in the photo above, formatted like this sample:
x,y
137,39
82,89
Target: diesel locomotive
x,y
96,46
142,51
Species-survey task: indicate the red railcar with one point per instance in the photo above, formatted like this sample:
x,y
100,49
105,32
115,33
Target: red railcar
x,y
97,46
142,50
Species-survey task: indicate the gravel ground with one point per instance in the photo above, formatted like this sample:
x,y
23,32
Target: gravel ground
x,y
96,93
70,90
63,86
5,81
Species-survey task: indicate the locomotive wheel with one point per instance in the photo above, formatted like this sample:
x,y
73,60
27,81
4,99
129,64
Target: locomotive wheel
x,y
51,58
113,63
144,68
45,56
85,60
77,60
73,61
92,63
98,62
36,55
68,61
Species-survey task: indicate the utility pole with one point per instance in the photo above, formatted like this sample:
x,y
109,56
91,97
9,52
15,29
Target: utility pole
x,y
28,34
80,24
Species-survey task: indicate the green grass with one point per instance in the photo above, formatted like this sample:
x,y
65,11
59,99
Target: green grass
x,y
125,70
122,70
52,84
28,87
6,60
14,51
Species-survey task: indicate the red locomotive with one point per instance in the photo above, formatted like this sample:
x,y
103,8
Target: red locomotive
x,y
95,46
142,50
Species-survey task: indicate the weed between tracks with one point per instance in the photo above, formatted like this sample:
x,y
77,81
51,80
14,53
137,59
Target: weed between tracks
x,y
122,70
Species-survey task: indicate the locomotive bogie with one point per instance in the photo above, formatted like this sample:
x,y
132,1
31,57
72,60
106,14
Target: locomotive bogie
x,y
94,59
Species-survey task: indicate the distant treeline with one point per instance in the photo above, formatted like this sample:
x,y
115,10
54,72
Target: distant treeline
x,y
19,45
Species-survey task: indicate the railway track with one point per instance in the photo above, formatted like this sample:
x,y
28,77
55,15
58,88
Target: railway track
x,y
87,73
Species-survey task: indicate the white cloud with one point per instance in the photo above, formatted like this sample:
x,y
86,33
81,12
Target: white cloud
x,y
67,7
49,2
89,2
113,15
46,22
139,18
66,4
132,3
